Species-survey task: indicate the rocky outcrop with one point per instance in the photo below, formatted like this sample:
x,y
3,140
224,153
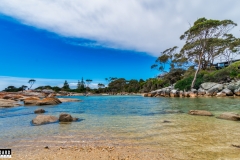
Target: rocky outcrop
x,y
48,101
12,96
8,103
208,85
64,117
31,100
44,119
206,89
200,113
69,99
229,116
39,111
34,94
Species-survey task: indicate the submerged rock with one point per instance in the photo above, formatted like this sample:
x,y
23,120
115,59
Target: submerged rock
x,y
39,111
44,119
173,111
64,117
166,121
229,116
200,113
69,100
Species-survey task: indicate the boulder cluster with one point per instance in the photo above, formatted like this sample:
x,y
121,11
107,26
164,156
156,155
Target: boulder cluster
x,y
206,89
226,115
29,98
45,119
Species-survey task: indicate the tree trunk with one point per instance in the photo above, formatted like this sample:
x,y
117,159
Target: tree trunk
x,y
195,75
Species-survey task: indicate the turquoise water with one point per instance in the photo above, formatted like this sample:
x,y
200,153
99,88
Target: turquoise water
x,y
132,120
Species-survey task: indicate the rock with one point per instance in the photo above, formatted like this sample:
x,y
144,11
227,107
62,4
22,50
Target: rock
x,y
237,92
173,111
64,117
145,94
228,92
186,94
150,94
201,91
229,116
12,96
48,101
214,90
8,103
69,99
39,111
44,119
200,113
233,85
51,95
193,94
35,94
221,94
208,85
181,94
174,93
48,91
166,121
31,100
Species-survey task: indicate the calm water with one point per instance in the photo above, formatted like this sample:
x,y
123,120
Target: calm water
x,y
135,121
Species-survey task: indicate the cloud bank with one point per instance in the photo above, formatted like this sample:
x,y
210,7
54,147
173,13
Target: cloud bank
x,y
142,25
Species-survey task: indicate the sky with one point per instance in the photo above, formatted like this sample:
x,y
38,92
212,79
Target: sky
x,y
58,40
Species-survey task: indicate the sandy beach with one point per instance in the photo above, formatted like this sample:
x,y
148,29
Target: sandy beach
x,y
91,153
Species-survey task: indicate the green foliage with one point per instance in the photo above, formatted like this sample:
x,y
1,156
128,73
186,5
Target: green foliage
x,y
65,86
15,89
224,74
185,83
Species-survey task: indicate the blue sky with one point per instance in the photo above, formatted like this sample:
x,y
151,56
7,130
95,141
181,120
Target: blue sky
x,y
53,41
29,52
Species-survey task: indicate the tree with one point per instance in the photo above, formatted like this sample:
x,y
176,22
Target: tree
x,y
81,85
88,81
230,47
66,86
166,59
31,82
197,40
11,89
117,85
100,85
23,87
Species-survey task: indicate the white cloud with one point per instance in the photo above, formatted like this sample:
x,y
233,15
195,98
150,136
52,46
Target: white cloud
x,y
142,25
6,81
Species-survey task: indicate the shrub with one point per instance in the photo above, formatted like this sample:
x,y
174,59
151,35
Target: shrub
x,y
185,83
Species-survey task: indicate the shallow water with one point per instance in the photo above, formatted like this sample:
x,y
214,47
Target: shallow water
x,y
132,121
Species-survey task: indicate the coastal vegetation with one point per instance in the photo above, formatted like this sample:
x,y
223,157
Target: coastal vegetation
x,y
206,42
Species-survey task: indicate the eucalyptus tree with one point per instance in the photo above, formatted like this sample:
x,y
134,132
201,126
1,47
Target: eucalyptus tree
x,y
100,85
166,59
31,82
197,39
88,81
230,47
